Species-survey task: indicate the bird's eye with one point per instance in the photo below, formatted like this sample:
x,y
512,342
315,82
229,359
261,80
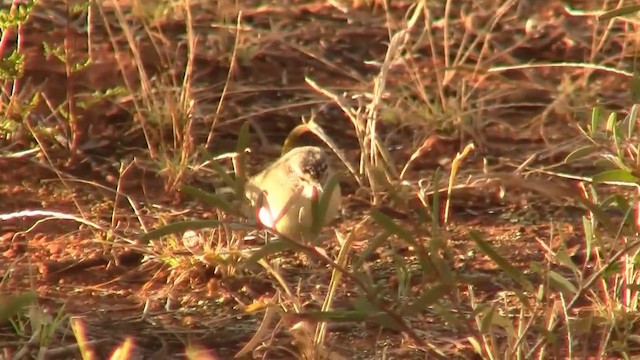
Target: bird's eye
x,y
312,170
315,170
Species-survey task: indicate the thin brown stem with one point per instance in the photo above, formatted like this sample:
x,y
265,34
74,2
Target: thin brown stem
x,y
369,293
76,130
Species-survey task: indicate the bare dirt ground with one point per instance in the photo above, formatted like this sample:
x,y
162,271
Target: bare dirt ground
x,y
512,115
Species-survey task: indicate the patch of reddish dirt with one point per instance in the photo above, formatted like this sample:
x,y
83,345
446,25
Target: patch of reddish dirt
x,y
78,268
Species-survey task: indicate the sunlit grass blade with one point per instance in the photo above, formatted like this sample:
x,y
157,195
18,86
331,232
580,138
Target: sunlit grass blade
x,y
334,283
315,129
455,167
436,211
354,118
79,331
581,153
197,352
633,114
239,162
292,137
123,351
621,11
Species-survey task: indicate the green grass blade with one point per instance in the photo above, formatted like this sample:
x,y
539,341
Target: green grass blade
x,y
178,227
216,201
428,297
502,262
12,305
270,248
319,207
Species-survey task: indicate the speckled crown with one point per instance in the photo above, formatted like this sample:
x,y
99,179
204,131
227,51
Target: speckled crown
x,y
312,162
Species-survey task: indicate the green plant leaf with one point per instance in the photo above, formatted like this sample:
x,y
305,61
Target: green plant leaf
x,y
617,175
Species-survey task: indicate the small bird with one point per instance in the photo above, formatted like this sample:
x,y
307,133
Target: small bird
x,y
284,192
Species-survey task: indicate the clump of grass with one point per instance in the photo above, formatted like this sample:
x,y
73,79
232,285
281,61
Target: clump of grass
x,y
12,22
